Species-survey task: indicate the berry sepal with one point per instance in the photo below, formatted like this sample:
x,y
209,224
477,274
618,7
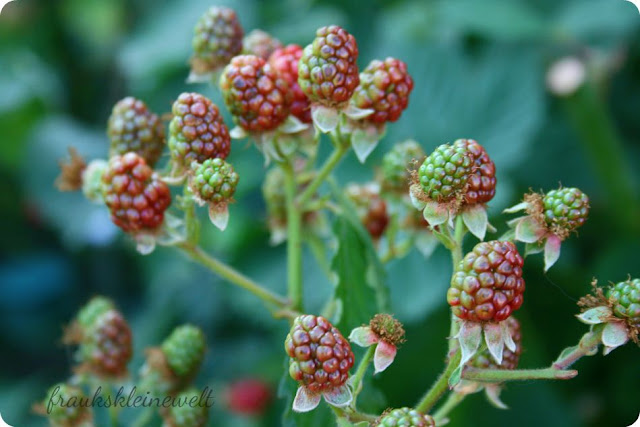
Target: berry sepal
x,y
364,136
385,333
307,400
550,218
496,336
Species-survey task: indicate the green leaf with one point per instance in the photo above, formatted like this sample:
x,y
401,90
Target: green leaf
x,y
360,286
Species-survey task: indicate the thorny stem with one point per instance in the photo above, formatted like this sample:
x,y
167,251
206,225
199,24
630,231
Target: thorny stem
x,y
349,414
449,405
587,346
225,271
356,380
294,239
340,150
441,385
500,375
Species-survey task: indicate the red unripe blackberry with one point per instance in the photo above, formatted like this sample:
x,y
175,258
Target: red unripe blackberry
x,y
255,94
136,198
481,185
132,127
487,285
328,70
197,131
106,347
285,62
217,38
384,87
320,356
249,396
371,208
510,359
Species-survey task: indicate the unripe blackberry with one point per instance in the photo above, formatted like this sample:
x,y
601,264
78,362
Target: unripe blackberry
x,y
320,357
285,62
328,70
184,350
136,198
371,208
487,285
250,396
255,94
106,347
189,410
132,127
565,209
213,181
481,186
444,174
90,312
60,409
625,300
197,131
396,165
510,359
384,87
260,44
405,417
217,38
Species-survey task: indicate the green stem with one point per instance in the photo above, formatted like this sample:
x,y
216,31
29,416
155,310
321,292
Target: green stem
x,y
328,166
192,224
449,405
587,346
441,385
233,276
294,239
362,369
456,257
602,143
500,375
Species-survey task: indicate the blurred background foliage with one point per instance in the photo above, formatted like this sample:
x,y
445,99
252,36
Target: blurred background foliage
x,y
479,69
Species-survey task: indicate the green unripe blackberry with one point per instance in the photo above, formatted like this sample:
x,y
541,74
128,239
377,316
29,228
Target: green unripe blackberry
x,y
184,350
444,174
217,38
214,181
92,310
565,209
260,44
274,197
510,359
189,410
132,127
625,300
406,417
396,164
62,407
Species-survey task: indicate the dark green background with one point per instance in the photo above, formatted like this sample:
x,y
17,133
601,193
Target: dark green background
x,y
479,70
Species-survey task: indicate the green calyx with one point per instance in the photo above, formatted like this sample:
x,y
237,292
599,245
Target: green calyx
x,y
444,174
214,181
184,350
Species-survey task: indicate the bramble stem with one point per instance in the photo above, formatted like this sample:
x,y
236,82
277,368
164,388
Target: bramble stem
x,y
362,369
587,346
500,375
226,272
191,222
441,385
294,239
449,405
456,257
328,166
